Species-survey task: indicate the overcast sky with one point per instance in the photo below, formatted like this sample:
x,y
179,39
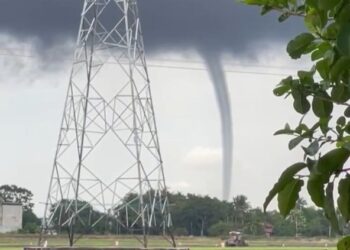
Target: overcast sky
x,y
32,90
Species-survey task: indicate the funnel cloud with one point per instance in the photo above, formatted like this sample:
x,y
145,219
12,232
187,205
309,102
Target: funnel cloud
x,y
217,76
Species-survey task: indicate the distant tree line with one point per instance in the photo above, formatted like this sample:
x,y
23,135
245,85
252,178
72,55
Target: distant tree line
x,y
194,215
202,215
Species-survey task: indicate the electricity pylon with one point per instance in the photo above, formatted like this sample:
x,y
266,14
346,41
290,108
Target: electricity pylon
x,y
108,168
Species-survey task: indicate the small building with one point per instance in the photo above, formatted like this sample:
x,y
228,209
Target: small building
x,y
11,215
268,229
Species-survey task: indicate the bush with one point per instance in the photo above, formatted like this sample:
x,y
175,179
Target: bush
x,y
29,217
220,229
180,231
30,228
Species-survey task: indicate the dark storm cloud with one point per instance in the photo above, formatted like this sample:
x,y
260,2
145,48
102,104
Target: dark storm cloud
x,y
221,25
208,26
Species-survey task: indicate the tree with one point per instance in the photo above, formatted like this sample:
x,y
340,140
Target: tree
x,y
255,221
63,210
281,227
195,214
316,94
31,223
315,223
14,194
296,216
240,208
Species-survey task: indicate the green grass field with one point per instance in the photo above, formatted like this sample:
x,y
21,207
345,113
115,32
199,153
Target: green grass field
x,y
266,248
17,242
236,248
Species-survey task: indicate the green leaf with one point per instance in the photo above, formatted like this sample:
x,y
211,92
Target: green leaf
x,y
315,20
331,31
310,163
283,87
329,208
255,2
324,124
317,54
340,93
315,189
344,15
332,162
340,131
328,4
300,128
312,149
306,77
344,243
321,50
343,39
330,56
312,46
286,131
341,121
283,17
339,67
347,128
312,3
321,107
300,104
347,112
346,145
344,197
323,68
285,178
265,9
295,142
299,45
288,196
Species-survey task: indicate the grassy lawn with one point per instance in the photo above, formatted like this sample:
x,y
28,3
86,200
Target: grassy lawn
x,y
266,248
236,248
16,242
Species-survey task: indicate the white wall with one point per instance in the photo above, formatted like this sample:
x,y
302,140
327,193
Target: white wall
x,y
10,218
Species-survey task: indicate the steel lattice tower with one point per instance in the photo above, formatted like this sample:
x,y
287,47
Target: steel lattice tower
x,y
108,166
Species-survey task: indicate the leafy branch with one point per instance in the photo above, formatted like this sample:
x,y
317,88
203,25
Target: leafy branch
x,y
327,43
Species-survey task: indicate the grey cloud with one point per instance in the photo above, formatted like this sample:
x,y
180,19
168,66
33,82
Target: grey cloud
x,y
218,25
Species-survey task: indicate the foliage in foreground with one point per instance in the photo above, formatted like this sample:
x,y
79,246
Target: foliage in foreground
x,y
322,93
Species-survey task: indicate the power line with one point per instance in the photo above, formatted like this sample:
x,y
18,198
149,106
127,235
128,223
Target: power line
x,y
177,61
16,55
229,64
205,69
191,68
